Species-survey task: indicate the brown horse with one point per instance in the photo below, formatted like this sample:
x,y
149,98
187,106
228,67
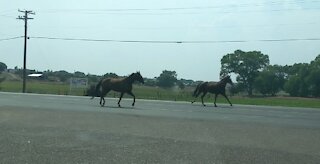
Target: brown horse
x,y
213,87
122,85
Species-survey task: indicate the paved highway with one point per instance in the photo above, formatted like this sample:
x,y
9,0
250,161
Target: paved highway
x,y
67,129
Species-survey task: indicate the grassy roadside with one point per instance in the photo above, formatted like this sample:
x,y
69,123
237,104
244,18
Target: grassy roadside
x,y
155,93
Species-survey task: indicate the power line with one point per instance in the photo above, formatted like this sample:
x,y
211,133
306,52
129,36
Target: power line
x,y
6,16
105,40
12,38
221,9
182,8
178,42
107,12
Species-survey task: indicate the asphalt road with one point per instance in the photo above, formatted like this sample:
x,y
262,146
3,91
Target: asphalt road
x,y
66,129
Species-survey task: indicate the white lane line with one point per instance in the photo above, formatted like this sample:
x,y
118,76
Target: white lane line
x,y
164,109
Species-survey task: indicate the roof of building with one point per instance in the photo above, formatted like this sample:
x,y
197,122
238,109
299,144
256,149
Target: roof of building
x,y
35,75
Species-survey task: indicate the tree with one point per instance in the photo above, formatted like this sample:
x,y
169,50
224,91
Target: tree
x,y
150,82
180,84
93,78
237,88
79,74
297,84
246,64
314,77
3,67
167,79
110,75
271,80
292,85
313,81
62,75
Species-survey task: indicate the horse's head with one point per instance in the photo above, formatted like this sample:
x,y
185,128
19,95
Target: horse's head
x,y
137,76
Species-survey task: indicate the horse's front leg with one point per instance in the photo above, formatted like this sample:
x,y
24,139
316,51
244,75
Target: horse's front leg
x,y
215,100
134,97
204,94
227,99
120,99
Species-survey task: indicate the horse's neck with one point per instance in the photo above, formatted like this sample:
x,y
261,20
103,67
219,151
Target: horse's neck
x,y
129,79
223,84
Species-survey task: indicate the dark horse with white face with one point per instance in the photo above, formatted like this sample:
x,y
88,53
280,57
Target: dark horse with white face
x,y
213,87
122,85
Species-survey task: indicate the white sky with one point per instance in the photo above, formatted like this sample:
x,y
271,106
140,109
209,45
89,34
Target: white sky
x,y
157,20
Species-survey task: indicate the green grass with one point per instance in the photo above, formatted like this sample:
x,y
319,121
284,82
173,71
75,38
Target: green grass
x,y
41,88
145,92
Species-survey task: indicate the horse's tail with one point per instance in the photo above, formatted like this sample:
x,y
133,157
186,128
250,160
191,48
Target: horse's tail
x,y
200,88
196,91
97,92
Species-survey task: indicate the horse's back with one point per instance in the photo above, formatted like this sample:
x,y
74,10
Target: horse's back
x,y
214,87
116,84
203,86
211,83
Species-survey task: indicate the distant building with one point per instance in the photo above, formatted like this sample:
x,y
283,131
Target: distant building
x,y
11,70
35,75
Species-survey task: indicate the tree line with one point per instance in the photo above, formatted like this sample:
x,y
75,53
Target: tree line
x,y
166,79
254,75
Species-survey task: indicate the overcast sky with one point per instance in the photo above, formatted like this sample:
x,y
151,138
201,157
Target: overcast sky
x,y
157,20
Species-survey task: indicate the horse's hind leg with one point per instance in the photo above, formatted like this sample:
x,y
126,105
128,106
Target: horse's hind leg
x,y
195,96
204,94
194,100
102,100
120,100
134,97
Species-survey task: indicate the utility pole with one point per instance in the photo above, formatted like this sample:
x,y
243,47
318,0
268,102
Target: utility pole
x,y
25,18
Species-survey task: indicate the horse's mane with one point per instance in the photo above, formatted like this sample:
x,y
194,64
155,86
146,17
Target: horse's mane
x,y
225,78
132,74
